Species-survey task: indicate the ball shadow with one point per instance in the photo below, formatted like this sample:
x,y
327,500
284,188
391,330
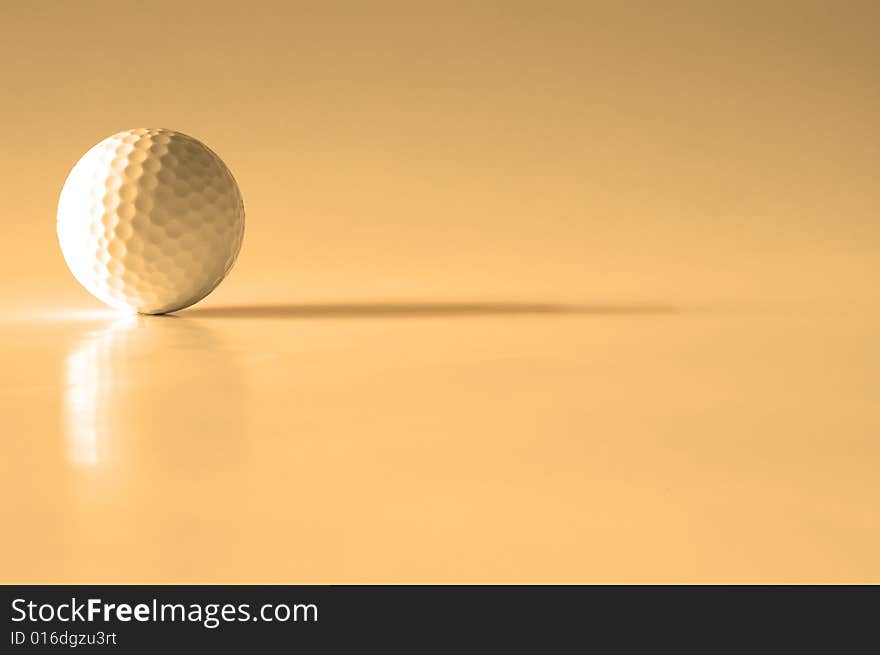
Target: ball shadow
x,y
418,309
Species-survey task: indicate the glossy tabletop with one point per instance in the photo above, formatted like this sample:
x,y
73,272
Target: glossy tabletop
x,y
442,442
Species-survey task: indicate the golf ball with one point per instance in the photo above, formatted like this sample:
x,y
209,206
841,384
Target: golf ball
x,y
150,220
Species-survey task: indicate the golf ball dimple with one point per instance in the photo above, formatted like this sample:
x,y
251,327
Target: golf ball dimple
x,y
150,220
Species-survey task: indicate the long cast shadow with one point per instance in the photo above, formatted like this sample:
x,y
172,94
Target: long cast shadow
x,y
421,309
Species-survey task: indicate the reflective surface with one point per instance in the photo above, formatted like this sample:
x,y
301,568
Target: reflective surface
x,y
419,442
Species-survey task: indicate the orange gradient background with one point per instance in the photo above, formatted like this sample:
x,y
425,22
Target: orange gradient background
x,y
529,292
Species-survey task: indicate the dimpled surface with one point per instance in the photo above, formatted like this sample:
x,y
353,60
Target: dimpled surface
x,y
150,220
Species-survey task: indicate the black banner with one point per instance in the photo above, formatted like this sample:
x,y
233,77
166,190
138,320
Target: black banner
x,y
132,619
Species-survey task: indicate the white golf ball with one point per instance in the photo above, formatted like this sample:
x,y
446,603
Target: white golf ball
x,y
150,220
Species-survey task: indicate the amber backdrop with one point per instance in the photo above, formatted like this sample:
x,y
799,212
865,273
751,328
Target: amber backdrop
x,y
699,178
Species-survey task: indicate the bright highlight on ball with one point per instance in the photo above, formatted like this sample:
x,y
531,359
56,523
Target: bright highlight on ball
x,y
150,220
